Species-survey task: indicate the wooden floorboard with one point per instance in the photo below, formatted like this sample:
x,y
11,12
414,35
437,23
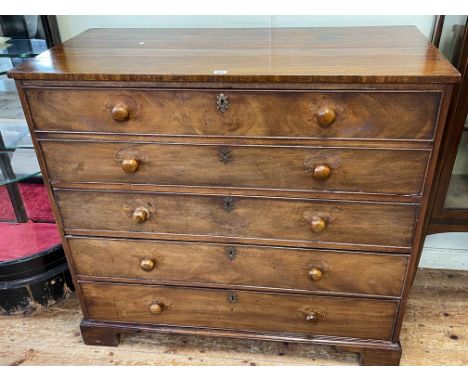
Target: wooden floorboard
x,y
434,332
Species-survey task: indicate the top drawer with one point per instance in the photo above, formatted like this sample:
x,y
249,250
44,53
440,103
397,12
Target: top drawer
x,y
294,114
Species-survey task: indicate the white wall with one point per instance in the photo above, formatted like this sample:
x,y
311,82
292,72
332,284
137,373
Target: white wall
x,y
72,25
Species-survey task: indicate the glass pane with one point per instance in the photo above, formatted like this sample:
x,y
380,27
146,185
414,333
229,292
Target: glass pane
x,y
22,165
457,195
22,48
451,37
450,45
14,133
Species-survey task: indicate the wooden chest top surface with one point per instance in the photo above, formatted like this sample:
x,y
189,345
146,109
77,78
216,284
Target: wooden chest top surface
x,y
319,55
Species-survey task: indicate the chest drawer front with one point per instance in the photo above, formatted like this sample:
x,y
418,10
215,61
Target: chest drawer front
x,y
239,265
332,114
264,167
251,311
306,222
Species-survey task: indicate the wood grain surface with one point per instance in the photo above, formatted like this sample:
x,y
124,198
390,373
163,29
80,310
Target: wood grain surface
x,y
261,167
219,99
351,224
252,311
349,54
359,114
238,266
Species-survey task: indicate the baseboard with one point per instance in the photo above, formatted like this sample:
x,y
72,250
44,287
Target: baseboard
x,y
445,251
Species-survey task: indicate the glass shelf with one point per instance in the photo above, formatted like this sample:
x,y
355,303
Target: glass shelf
x,y
15,134
26,142
18,160
22,48
23,163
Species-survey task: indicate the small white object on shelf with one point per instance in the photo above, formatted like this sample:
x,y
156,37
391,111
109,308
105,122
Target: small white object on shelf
x,y
3,40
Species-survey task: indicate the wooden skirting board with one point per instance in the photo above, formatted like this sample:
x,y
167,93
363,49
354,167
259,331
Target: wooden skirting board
x,y
448,250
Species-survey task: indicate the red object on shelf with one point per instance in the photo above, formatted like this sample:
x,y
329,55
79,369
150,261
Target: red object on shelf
x,y
35,202
23,240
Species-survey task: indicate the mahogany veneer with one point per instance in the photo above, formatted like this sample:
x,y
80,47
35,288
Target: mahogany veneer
x,y
246,266
267,184
367,114
239,166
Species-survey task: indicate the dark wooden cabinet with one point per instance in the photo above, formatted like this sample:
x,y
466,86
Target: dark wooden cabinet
x,y
450,205
262,184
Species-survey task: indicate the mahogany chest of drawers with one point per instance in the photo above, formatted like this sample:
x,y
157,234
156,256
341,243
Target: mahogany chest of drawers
x,y
263,184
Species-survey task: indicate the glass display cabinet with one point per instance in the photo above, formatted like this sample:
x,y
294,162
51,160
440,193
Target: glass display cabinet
x,y
450,201
33,269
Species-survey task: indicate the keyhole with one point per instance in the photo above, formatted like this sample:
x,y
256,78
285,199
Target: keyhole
x,y
231,253
232,298
228,204
222,102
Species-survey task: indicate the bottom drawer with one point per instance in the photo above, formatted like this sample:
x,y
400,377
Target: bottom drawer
x,y
250,311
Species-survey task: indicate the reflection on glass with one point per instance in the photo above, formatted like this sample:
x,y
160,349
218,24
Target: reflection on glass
x,y
451,38
23,165
457,195
450,46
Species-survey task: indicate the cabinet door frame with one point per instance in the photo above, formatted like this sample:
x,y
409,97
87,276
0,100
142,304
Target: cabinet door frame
x,y
444,219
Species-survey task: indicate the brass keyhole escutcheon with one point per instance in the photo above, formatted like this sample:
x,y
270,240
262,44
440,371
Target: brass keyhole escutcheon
x,y
232,298
231,253
222,103
225,155
228,204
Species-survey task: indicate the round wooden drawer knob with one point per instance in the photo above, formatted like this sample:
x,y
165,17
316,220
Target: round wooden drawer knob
x,y
315,274
120,113
147,264
312,317
130,165
156,308
322,172
140,215
326,116
318,224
